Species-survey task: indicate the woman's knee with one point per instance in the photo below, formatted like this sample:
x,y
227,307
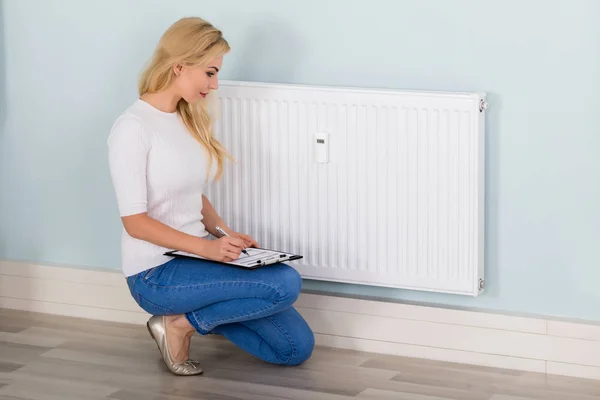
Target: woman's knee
x,y
289,283
298,335
304,346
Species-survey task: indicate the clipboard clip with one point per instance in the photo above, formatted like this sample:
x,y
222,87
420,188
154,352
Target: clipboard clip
x,y
276,259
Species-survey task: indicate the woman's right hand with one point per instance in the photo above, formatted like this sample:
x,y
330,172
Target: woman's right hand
x,y
224,249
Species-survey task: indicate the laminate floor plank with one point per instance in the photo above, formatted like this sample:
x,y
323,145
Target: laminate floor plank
x,y
30,338
376,394
20,353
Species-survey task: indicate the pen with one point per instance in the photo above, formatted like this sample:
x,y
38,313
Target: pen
x,y
222,232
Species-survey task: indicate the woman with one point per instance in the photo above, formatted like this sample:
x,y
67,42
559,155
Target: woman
x,y
162,154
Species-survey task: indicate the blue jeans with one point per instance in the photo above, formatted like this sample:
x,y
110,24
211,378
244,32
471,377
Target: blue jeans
x,y
253,309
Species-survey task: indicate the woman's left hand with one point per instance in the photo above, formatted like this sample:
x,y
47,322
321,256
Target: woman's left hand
x,y
247,239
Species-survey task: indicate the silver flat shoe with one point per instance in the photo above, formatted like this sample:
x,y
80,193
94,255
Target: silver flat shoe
x,y
158,331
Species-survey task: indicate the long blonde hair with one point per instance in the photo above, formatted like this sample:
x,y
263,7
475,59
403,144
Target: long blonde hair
x,y
191,42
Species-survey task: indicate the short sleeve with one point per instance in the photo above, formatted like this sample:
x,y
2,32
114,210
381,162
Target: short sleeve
x,y
128,147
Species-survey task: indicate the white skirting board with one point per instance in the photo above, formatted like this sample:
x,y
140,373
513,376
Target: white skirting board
x,y
488,339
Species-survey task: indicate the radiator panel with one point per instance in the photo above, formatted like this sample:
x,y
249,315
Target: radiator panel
x,y
400,202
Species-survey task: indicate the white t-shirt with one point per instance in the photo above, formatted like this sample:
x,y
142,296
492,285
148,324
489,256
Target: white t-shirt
x,y
156,167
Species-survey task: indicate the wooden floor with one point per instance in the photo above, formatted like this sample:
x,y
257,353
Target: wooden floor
x,y
49,357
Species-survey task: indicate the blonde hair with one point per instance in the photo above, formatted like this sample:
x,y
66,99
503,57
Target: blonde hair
x,y
190,42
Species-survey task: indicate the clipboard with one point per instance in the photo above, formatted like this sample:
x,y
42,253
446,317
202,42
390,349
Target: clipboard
x,y
256,258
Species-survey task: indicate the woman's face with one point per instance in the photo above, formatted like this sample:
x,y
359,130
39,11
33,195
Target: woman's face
x,y
194,83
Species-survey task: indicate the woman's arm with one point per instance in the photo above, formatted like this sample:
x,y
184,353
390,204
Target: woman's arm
x,y
211,220
143,227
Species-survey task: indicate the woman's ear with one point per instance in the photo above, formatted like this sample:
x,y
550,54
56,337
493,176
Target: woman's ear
x,y
177,69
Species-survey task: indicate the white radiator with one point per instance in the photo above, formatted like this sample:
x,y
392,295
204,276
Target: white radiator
x,y
400,202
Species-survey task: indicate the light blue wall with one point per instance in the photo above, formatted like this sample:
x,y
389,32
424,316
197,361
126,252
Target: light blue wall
x,y
2,80
71,67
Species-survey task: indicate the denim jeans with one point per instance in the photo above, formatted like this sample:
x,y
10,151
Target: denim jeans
x,y
253,309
